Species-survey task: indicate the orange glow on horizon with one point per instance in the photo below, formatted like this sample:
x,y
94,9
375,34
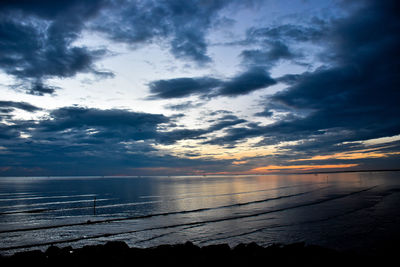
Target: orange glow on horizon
x,y
300,167
239,162
258,170
356,154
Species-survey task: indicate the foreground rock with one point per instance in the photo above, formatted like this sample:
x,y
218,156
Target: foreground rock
x,y
119,254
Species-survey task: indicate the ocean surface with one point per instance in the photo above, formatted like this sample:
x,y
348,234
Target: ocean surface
x,y
341,210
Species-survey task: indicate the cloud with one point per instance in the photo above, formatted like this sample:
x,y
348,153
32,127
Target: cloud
x,y
77,137
170,137
358,92
268,56
251,80
102,124
246,82
353,97
87,141
38,88
18,105
8,132
182,87
182,24
236,134
265,113
321,113
79,125
277,43
37,41
290,79
184,105
51,9
287,32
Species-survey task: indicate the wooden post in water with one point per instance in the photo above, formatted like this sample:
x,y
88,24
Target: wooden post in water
x,y
94,206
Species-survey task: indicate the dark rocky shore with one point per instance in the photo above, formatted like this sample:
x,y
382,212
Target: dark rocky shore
x,y
119,254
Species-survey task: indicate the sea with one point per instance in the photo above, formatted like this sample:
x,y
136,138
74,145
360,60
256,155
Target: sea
x,y
344,211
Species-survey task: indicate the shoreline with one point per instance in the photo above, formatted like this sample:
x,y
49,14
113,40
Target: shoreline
x,y
118,253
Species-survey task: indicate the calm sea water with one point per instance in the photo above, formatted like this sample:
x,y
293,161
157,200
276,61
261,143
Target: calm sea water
x,y
341,210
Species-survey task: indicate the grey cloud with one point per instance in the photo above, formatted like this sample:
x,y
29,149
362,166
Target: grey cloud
x,y
183,24
246,82
276,43
124,124
184,105
355,98
38,88
268,56
173,136
182,87
88,141
290,79
37,41
19,105
287,32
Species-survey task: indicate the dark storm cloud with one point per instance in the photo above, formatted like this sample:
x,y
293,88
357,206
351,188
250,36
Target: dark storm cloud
x,y
37,41
182,87
50,9
281,42
354,97
246,82
78,125
225,122
78,141
38,37
183,23
286,32
237,134
103,124
38,88
268,57
8,132
290,79
173,136
76,137
18,105
265,113
360,92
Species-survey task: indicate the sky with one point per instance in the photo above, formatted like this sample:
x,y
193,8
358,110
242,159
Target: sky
x,y
198,87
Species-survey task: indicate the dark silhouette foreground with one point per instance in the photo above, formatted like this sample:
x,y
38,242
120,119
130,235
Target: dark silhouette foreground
x,y
119,254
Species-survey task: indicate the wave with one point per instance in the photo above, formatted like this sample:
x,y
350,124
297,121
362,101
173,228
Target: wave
x,y
164,234
55,203
128,204
17,194
47,197
311,203
39,210
352,211
156,214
